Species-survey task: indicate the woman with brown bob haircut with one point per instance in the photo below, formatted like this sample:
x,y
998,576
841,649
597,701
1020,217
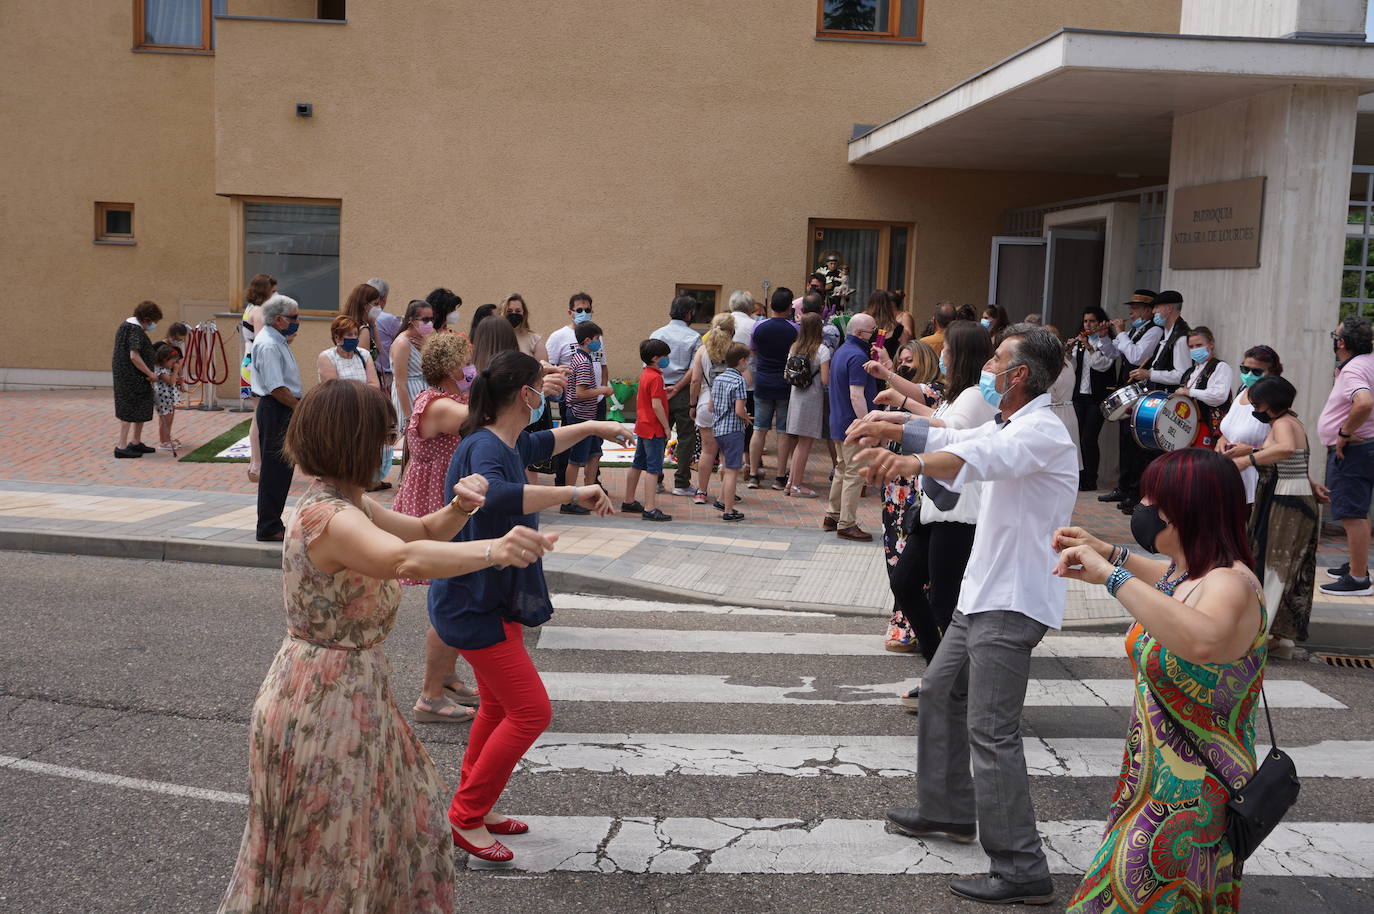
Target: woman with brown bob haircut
x,y
333,764
357,306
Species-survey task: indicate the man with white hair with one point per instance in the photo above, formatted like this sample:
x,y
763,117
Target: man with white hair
x,y
388,325
277,385
851,397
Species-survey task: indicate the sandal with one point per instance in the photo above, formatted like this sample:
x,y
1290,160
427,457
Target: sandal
x,y
456,689
800,492
441,711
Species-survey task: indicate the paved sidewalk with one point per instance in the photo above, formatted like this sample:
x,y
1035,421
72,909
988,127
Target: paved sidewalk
x,y
65,493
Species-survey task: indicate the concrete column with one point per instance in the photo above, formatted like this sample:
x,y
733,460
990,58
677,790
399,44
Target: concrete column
x,y
1301,138
1274,18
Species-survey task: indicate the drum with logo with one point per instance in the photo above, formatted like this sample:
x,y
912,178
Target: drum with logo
x,y
1165,422
1120,402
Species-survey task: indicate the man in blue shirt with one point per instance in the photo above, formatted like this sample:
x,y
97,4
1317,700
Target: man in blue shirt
x,y
851,397
277,385
772,340
683,343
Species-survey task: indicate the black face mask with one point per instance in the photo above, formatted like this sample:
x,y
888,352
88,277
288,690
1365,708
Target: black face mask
x,y
515,319
1261,416
905,372
1146,525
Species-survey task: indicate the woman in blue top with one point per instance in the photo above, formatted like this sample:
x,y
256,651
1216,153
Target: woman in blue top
x,y
482,614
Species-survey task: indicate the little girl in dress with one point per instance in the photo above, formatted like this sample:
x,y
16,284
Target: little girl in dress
x,y
166,385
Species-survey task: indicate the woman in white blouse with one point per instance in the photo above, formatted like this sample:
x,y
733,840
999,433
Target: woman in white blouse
x,y
1241,432
346,360
931,567
1208,380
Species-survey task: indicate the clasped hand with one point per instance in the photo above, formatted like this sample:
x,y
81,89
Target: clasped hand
x,y
470,492
1082,556
521,547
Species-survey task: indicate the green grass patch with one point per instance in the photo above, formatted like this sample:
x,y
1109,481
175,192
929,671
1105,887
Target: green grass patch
x,y
207,452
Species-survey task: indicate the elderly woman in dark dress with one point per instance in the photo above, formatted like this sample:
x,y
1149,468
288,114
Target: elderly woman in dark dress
x,y
132,366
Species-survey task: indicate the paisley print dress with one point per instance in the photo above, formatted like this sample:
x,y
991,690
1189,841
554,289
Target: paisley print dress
x,y
1165,849
346,811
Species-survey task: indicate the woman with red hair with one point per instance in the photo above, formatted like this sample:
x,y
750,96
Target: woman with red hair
x,y
1198,652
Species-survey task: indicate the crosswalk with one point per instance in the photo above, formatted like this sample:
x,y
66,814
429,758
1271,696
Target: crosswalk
x,y
744,743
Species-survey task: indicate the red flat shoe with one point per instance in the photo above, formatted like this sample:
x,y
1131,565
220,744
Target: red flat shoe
x,y
509,827
495,853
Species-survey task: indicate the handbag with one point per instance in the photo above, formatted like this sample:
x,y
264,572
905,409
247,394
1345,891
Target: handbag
x,y
1256,808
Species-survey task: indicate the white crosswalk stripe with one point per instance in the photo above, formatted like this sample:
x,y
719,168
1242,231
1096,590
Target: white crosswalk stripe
x,y
697,688
740,754
577,601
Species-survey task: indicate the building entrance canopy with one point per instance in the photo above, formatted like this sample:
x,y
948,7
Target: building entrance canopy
x,y
1093,102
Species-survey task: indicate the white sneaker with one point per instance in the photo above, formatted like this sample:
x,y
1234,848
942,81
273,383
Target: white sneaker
x,y
688,491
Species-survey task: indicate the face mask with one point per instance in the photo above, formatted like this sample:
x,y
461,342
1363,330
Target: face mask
x,y
424,328
664,362
987,323
350,344
453,320
1335,344
538,412
1146,525
581,317
1261,416
944,369
594,346
292,327
1199,355
469,372
383,468
152,326
1159,320
905,371
515,319
987,386
374,312
1248,377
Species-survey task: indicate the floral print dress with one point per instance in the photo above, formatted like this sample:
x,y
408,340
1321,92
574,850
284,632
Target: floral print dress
x,y
346,810
1165,849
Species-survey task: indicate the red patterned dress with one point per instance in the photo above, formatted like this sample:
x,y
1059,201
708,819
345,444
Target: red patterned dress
x,y
1165,848
427,459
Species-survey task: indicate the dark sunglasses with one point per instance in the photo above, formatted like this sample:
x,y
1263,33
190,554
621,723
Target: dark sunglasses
x,y
1255,371
582,310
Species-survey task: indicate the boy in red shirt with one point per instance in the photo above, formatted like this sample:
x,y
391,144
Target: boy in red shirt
x,y
651,428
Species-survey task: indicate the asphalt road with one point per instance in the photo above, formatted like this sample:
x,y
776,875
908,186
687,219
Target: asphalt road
x,y
148,671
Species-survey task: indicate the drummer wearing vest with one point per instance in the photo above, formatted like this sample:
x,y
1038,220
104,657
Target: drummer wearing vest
x,y
1163,372
1208,380
1135,343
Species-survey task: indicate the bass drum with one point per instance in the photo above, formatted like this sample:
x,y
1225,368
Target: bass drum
x,y
1166,422
1120,402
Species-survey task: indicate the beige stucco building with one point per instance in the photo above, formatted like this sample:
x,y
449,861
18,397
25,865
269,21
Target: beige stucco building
x,y
159,149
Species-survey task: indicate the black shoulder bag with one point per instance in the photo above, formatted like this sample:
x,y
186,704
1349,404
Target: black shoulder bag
x,y
1256,808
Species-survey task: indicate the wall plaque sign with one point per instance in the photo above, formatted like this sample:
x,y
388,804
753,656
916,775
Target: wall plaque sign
x,y
1217,226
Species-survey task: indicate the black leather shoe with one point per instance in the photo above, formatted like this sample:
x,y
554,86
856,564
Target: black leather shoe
x,y
142,448
1113,495
908,821
993,889
1127,506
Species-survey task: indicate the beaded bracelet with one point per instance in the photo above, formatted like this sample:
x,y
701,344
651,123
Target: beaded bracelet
x,y
1119,577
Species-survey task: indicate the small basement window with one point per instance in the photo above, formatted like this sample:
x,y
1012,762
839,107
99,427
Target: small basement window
x,y
707,296
114,223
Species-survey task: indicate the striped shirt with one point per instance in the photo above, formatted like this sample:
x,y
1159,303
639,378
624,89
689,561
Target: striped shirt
x,y
728,387
584,374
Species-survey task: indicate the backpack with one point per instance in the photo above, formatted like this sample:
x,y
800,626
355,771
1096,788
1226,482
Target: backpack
x,y
797,371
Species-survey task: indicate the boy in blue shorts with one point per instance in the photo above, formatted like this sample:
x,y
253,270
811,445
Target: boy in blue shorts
x,y
582,403
651,430
732,418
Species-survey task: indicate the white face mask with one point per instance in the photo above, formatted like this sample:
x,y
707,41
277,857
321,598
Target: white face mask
x,y
374,312
453,320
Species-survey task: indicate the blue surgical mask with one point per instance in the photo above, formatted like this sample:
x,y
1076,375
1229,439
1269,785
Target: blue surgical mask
x,y
383,468
581,317
663,363
943,369
350,344
1137,323
1247,378
1198,355
987,323
1159,319
152,326
594,346
291,328
987,386
537,413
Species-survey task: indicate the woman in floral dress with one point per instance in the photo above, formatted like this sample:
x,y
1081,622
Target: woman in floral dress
x,y
346,810
431,434
1198,653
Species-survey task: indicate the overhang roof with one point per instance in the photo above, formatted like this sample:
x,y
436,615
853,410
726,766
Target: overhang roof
x,y
1095,102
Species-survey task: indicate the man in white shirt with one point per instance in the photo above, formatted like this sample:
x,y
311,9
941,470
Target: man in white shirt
x,y
683,343
1136,344
1171,357
277,385
973,693
1207,379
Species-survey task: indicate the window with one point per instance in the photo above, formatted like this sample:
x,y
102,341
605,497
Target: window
x,y
298,243
114,223
870,20
708,299
870,255
1357,276
182,25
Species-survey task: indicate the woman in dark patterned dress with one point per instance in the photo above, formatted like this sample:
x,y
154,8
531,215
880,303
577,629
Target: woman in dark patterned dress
x,y
1198,653
132,368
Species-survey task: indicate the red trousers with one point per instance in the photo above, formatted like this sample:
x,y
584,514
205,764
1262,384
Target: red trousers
x,y
514,711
